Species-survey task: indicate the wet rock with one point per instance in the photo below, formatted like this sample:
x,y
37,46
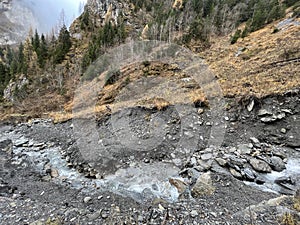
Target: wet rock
x,y
260,166
285,180
249,174
180,185
20,142
235,173
259,180
203,186
236,161
277,163
54,173
287,185
264,112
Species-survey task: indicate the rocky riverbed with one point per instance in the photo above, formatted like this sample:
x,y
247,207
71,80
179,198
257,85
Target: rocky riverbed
x,y
175,178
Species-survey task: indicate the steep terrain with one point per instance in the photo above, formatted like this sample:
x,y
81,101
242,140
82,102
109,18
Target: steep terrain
x,y
200,126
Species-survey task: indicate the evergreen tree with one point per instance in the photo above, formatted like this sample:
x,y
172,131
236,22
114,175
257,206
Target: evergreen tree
x,y
36,41
21,62
42,52
63,45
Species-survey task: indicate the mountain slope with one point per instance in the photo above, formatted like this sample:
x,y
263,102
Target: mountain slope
x,y
263,62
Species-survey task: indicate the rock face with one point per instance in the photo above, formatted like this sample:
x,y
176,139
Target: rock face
x,y
14,88
5,5
12,28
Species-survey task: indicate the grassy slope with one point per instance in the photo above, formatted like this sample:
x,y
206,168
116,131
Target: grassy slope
x,y
263,67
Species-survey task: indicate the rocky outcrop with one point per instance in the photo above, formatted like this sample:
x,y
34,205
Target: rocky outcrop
x,y
14,88
5,5
12,28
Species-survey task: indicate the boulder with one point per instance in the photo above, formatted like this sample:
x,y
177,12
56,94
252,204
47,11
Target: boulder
x,y
277,163
260,166
203,186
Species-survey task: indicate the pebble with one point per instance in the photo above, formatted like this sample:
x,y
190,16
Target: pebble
x,y
206,156
283,130
194,213
87,199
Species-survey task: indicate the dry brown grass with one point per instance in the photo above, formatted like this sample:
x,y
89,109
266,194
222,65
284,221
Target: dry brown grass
x,y
252,72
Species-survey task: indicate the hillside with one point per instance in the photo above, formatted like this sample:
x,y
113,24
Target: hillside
x,y
154,112
264,62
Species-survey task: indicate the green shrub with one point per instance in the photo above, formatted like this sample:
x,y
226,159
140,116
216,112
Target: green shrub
x,y
112,76
235,37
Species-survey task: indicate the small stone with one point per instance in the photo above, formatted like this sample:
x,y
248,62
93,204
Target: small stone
x,y
280,116
180,185
250,106
94,216
264,112
87,199
206,156
160,207
194,213
235,173
104,215
268,119
283,130
200,111
203,165
177,162
254,140
13,204
259,180
221,162
214,214
54,173
193,161
140,218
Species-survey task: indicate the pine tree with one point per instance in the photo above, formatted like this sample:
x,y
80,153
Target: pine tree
x,y
36,41
42,52
63,45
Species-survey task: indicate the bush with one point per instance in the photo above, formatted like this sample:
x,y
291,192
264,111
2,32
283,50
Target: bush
x,y
112,76
235,37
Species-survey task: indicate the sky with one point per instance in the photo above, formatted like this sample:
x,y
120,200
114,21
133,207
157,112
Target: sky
x,y
48,12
